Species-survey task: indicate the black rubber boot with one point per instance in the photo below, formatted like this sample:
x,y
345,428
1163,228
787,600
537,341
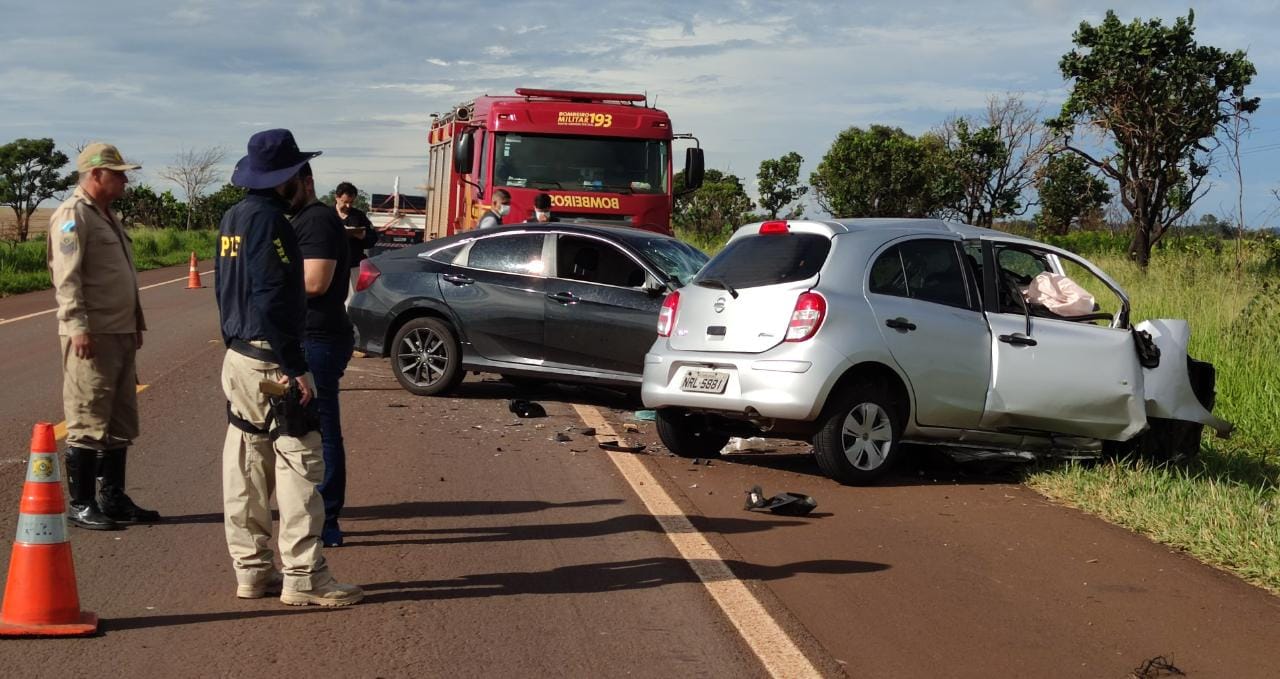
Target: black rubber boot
x,y
83,510
115,503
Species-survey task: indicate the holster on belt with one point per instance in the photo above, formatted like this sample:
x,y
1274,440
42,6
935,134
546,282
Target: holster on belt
x,y
289,416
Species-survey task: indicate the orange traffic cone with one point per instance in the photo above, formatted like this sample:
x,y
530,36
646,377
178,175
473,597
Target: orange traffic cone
x,y
193,276
40,598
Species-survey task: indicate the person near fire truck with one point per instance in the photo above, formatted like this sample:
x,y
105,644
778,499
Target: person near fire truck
x,y
501,205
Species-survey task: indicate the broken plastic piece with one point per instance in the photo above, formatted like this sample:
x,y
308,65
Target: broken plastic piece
x,y
524,408
619,448
788,504
645,415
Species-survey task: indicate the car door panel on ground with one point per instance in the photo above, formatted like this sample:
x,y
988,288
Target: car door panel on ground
x,y
496,288
1057,375
598,314
929,317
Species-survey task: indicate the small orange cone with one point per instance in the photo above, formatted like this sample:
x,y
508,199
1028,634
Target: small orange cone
x,y
40,597
193,276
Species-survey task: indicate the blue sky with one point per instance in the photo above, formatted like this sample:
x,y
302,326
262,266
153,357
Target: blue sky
x,y
752,80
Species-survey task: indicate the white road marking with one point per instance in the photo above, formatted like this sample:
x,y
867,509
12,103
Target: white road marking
x,y
775,649
49,311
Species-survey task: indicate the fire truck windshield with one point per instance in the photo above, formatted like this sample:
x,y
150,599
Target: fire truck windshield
x,y
610,165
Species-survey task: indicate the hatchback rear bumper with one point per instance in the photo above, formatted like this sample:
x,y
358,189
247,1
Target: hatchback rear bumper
x,y
787,382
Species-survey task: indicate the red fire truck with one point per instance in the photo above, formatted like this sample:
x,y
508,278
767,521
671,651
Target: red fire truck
x,y
603,157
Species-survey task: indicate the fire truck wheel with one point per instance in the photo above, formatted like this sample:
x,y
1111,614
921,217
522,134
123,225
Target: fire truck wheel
x,y
426,357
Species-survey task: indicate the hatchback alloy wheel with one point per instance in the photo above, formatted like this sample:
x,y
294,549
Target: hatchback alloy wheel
x,y
861,433
867,436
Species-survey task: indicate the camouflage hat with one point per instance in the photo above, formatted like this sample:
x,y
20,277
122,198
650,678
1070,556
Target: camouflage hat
x,y
104,156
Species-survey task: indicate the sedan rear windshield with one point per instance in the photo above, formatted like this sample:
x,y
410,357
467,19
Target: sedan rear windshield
x,y
767,260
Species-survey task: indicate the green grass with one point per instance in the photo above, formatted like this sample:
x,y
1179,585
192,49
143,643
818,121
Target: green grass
x,y
1224,507
23,268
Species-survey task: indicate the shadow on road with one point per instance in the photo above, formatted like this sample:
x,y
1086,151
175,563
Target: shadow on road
x,y
631,523
410,510
493,389
920,466
596,578
108,625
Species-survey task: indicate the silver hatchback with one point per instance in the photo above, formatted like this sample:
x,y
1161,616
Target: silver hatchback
x,y
863,334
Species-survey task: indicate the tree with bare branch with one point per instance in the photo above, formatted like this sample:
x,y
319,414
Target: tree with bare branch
x,y
195,171
997,157
1160,99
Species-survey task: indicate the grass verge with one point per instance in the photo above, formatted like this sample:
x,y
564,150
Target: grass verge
x,y
23,268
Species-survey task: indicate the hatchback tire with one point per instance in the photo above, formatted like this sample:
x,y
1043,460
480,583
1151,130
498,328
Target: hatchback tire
x,y
689,434
861,435
426,358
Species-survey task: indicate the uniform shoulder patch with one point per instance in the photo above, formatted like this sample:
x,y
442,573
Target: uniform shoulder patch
x,y
68,244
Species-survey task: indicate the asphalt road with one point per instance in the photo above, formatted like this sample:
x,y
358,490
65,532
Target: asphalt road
x,y
489,548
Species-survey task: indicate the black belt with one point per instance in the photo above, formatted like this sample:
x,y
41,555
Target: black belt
x,y
245,349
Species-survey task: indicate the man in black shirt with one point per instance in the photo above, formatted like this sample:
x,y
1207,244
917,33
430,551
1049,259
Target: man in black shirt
x,y
359,230
329,339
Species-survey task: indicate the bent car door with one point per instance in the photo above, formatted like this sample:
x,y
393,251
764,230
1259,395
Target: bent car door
x,y
1076,375
599,315
496,289
927,308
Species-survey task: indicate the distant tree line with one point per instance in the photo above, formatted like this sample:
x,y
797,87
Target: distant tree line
x,y
1152,104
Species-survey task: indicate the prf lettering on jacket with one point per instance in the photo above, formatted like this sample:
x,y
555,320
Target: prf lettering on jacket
x,y
230,246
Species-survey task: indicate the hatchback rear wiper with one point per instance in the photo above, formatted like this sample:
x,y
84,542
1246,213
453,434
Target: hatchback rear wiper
x,y
718,283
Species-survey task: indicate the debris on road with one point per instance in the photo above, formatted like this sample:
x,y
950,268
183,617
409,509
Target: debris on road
x,y
645,415
1158,666
616,447
630,428
788,504
563,437
739,445
587,431
526,409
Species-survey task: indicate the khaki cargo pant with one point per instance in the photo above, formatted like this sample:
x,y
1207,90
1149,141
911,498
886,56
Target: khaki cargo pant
x,y
252,467
100,394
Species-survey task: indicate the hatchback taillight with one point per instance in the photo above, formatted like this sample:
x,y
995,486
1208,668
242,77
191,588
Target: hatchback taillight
x,y
807,317
667,316
368,274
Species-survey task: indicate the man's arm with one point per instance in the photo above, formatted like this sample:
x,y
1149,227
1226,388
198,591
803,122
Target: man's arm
x,y
318,274
275,294
64,253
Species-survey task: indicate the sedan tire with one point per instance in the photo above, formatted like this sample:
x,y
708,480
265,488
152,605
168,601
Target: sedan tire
x,y
861,435
426,358
689,434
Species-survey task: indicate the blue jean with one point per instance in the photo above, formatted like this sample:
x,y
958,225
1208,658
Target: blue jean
x,y
328,360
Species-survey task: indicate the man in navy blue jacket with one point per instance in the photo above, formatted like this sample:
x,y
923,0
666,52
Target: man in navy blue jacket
x,y
262,307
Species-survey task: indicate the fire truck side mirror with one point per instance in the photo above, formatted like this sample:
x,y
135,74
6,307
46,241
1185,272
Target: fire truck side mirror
x,y
463,153
693,168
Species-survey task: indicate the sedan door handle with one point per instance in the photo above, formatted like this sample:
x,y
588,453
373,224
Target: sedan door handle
x,y
900,323
1018,339
458,279
563,298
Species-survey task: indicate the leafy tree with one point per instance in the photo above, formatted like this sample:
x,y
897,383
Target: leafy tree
x,y
1159,99
1069,192
194,171
996,159
141,205
29,175
885,172
718,206
779,184
209,212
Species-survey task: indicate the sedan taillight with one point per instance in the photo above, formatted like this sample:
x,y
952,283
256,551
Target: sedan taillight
x,y
368,274
807,317
667,316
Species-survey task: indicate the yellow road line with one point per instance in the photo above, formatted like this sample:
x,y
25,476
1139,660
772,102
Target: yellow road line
x,y
49,311
60,429
771,644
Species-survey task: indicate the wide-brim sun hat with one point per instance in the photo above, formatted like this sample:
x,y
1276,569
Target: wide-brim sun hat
x,y
272,160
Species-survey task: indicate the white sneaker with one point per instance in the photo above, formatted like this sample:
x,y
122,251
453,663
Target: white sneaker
x,y
332,594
